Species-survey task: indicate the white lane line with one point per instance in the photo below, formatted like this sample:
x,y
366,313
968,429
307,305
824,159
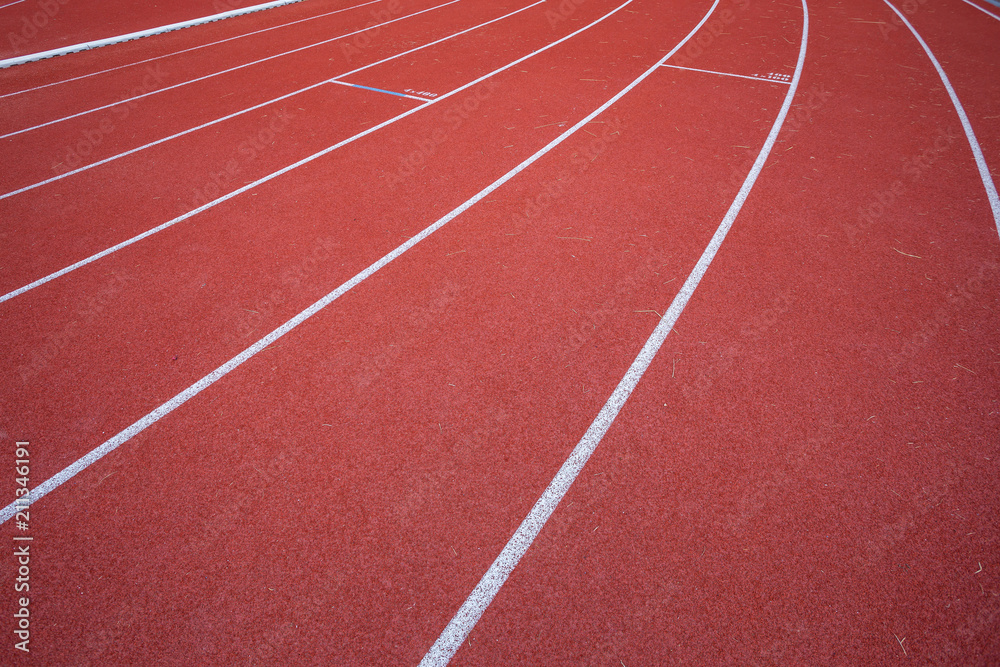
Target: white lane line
x,y
215,74
63,50
379,90
468,615
977,152
180,399
742,76
11,4
193,48
984,11
261,105
273,175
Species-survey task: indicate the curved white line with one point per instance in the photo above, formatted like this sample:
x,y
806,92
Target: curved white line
x,y
63,50
977,152
219,73
180,399
481,597
193,48
283,170
106,160
984,11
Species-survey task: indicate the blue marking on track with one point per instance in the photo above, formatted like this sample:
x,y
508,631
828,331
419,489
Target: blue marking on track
x,y
379,90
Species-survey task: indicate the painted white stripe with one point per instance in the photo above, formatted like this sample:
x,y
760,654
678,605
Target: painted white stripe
x,y
259,106
220,73
379,90
742,76
63,50
977,152
180,399
273,175
481,597
106,160
250,186
984,11
11,4
193,48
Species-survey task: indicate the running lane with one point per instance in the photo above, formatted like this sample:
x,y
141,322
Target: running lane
x,y
328,207
964,41
289,219
248,68
806,474
344,572
148,188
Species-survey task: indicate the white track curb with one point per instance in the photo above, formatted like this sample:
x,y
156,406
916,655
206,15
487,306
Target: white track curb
x,y
63,50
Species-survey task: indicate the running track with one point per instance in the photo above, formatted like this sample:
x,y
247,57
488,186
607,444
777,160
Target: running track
x,y
506,333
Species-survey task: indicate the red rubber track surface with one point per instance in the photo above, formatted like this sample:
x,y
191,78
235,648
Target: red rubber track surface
x,y
806,474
